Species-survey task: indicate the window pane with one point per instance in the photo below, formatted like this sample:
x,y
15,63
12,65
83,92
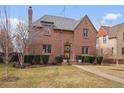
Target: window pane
x,y
85,32
47,48
85,50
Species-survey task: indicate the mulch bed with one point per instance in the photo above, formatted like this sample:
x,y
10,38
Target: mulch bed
x,y
9,79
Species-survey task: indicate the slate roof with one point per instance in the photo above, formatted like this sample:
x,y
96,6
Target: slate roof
x,y
59,22
115,29
106,28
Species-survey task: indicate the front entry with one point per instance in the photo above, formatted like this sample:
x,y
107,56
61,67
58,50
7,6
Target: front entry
x,y
67,49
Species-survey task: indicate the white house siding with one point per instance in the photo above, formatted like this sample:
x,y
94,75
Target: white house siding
x,y
107,47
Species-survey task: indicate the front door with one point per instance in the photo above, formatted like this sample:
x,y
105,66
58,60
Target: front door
x,y
67,49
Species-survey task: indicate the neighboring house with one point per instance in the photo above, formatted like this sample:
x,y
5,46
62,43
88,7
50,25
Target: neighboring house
x,y
102,43
62,36
110,43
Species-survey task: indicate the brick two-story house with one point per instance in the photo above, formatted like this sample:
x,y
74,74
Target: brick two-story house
x,y
62,36
110,43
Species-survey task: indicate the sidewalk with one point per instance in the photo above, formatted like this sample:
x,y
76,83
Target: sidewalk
x,y
98,73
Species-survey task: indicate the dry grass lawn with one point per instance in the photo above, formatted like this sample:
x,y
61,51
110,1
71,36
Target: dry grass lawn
x,y
55,76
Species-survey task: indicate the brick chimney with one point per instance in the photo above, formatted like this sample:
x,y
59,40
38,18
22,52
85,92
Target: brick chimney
x,y
30,13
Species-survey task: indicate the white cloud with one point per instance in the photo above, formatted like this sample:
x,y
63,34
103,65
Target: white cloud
x,y
110,17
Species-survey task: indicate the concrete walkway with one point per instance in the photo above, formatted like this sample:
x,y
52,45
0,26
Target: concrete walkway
x,y
98,73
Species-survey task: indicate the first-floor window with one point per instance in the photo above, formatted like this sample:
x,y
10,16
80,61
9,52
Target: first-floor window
x,y
122,50
47,48
85,49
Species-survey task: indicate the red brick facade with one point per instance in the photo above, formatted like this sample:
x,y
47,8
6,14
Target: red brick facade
x,y
58,38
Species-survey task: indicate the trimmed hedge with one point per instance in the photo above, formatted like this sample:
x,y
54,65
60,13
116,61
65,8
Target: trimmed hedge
x,y
45,59
28,59
36,59
90,59
99,59
59,59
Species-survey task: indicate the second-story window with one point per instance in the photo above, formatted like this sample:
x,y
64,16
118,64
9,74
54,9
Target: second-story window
x,y
47,27
85,32
47,30
104,40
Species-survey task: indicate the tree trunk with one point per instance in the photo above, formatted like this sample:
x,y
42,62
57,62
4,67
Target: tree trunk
x,y
6,63
21,59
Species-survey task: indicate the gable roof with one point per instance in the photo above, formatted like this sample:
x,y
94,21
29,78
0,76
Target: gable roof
x,y
103,31
113,31
85,17
62,23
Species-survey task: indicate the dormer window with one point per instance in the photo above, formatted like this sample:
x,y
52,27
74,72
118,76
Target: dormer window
x,y
85,32
47,27
47,30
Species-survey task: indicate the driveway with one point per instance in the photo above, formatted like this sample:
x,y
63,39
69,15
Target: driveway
x,y
98,73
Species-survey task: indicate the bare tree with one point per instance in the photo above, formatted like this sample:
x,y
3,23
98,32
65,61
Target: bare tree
x,y
107,52
6,37
21,41
25,39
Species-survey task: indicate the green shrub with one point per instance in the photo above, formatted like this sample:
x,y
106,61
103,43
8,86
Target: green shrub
x,y
37,59
33,59
45,58
28,59
86,58
90,59
99,59
59,59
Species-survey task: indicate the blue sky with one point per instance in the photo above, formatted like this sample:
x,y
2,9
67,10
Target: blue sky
x,y
104,15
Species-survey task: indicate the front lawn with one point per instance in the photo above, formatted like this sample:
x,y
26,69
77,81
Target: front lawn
x,y
116,70
55,76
